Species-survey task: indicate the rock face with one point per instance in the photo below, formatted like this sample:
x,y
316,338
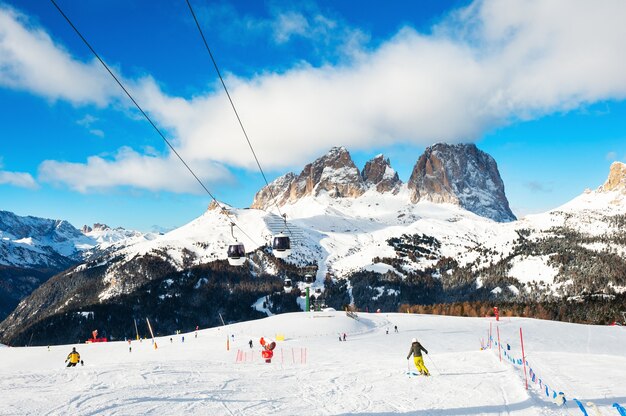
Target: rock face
x,y
460,174
276,193
616,180
334,173
457,174
379,174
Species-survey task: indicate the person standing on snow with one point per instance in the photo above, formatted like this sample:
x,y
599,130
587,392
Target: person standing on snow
x,y
416,351
73,357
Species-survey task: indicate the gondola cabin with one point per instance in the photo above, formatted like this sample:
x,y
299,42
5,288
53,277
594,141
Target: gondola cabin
x,y
288,285
308,280
236,254
281,246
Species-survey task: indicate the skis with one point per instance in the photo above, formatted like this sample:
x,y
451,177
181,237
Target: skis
x,y
415,374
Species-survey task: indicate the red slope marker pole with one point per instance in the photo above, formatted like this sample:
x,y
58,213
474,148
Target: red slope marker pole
x,y
523,356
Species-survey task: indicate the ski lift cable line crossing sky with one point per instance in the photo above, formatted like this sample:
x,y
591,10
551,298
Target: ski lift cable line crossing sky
x,y
232,104
222,208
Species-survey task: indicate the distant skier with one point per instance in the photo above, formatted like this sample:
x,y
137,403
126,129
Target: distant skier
x,y
395,328
344,336
416,351
250,343
183,339
386,331
73,357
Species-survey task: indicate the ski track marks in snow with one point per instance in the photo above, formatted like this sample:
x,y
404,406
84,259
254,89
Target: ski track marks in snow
x,y
366,375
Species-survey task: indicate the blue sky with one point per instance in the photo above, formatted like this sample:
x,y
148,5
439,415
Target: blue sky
x,y
538,85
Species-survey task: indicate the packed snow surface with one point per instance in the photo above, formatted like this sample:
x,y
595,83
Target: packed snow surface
x,y
312,372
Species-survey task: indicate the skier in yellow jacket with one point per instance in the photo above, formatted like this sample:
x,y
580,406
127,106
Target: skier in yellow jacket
x,y
416,351
73,357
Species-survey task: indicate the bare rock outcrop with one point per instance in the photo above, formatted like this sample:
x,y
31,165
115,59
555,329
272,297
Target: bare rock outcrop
x,y
460,174
379,174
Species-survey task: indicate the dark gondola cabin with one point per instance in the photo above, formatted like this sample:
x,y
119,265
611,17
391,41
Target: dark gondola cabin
x,y
308,280
236,254
288,285
281,246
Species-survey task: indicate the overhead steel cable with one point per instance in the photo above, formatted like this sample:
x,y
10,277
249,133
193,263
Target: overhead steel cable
x,y
222,208
232,104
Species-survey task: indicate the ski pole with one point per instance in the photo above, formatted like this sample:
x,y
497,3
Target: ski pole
x,y
434,365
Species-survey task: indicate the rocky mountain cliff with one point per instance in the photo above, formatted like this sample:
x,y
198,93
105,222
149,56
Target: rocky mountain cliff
x,y
460,174
616,180
334,174
379,174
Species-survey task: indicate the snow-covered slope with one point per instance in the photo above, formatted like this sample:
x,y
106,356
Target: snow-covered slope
x,y
313,372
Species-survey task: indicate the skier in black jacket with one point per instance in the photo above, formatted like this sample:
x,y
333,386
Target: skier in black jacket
x,y
416,351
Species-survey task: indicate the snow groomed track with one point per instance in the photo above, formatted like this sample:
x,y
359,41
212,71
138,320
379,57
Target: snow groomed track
x,y
364,375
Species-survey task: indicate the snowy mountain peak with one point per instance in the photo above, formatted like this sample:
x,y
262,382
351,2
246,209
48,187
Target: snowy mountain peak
x,y
460,174
96,227
616,180
379,174
334,174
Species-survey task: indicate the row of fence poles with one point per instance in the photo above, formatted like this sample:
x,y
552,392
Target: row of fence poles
x,y
298,356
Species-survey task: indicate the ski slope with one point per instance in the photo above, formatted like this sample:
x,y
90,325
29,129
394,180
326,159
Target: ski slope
x,y
366,375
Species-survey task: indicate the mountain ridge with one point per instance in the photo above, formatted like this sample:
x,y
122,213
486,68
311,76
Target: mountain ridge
x,y
459,174
376,251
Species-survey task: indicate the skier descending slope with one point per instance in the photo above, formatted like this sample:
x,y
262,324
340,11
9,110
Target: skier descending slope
x,y
416,351
73,357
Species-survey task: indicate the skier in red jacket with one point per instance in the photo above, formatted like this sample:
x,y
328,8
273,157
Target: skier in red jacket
x,y
268,347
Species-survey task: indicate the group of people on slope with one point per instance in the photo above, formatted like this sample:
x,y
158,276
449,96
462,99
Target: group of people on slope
x,y
416,349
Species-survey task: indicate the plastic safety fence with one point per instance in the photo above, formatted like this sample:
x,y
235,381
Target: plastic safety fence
x,y
555,395
294,356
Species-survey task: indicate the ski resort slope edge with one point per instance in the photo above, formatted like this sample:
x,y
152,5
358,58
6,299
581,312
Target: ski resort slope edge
x,y
312,371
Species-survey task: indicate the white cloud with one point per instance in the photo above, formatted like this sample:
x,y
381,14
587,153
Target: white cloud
x,y
19,179
97,132
486,65
610,156
129,168
290,24
31,61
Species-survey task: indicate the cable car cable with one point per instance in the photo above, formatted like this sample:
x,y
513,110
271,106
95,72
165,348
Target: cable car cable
x,y
232,104
222,209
